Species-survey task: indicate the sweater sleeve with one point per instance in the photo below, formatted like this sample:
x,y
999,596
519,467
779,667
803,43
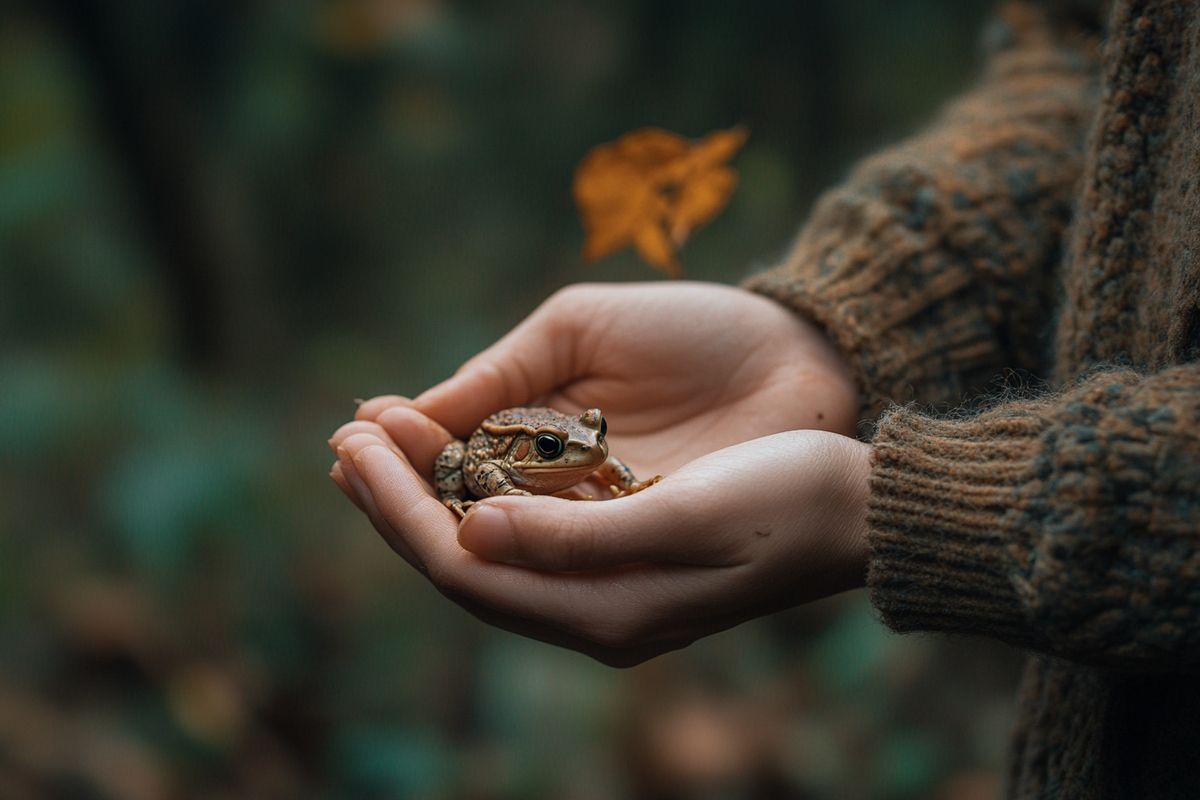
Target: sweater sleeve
x,y
932,267
1069,525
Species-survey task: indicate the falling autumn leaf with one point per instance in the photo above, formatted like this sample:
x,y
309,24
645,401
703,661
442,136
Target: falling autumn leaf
x,y
652,189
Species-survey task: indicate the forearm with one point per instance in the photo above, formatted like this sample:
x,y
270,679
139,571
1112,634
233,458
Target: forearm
x,y
933,266
1066,525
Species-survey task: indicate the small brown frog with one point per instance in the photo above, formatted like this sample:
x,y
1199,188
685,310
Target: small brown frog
x,y
531,451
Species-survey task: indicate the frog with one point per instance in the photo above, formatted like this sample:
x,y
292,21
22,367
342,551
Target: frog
x,y
527,451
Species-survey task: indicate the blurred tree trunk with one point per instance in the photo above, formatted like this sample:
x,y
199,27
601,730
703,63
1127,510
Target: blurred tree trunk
x,y
148,65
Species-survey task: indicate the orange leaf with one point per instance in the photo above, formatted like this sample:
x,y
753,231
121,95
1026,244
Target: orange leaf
x,y
617,200
657,250
700,200
648,147
721,146
652,189
709,152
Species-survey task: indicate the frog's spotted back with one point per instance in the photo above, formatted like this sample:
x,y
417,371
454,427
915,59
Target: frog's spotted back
x,y
530,450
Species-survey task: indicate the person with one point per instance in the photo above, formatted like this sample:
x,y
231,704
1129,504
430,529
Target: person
x,y
1047,226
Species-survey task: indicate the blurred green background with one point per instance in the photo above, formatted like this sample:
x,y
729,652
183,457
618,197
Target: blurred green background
x,y
220,222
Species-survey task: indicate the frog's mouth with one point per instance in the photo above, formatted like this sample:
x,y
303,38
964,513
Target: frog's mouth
x,y
548,468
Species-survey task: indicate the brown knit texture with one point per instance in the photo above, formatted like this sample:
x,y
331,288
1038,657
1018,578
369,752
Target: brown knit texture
x,y
1052,211
933,265
1049,524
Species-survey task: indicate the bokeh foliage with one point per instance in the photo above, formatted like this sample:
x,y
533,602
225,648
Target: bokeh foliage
x,y
220,222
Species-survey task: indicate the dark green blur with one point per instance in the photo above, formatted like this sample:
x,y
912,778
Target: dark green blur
x,y
220,222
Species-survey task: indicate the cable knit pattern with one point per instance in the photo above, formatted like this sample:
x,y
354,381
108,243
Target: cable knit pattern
x,y
1111,570
1127,252
1068,524
933,266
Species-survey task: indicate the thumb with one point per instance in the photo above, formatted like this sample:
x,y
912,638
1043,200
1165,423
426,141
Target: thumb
x,y
550,533
531,360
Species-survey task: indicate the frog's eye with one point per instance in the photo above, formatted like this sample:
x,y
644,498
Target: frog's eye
x,y
603,427
549,446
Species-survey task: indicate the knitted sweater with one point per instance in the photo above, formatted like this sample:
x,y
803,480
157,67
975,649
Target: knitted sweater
x,y
1049,223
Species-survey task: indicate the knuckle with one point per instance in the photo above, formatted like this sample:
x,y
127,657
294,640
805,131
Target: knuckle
x,y
347,430
372,429
570,298
568,295
394,414
369,409
508,383
363,438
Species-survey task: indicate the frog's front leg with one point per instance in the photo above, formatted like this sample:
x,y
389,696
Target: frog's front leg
x,y
448,478
493,480
620,479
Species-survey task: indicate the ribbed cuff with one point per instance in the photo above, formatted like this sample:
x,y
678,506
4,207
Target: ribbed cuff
x,y
947,553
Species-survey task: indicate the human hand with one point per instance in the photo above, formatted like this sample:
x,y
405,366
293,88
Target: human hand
x,y
679,369
741,532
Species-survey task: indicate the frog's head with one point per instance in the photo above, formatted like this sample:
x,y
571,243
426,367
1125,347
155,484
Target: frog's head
x,y
554,451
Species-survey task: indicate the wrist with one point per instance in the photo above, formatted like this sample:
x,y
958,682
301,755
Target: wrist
x,y
856,489
825,496
834,514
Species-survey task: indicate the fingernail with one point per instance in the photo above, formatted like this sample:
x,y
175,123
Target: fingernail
x,y
358,401
487,532
352,477
339,480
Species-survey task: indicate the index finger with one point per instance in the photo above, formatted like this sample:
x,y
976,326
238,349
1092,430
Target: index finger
x,y
592,606
411,516
420,438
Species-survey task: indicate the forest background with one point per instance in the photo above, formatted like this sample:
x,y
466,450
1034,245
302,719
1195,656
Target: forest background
x,y
220,222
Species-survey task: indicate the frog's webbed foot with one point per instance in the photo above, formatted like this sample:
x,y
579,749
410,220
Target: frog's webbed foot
x,y
458,505
448,478
634,488
517,491
574,493
620,479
